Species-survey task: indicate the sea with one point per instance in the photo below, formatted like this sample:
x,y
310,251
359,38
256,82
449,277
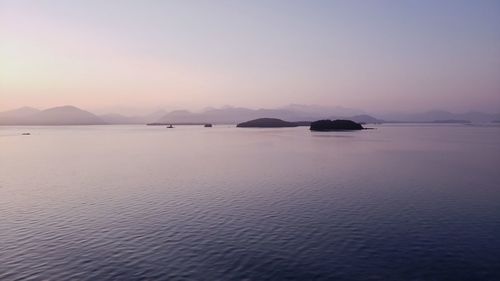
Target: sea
x,y
397,202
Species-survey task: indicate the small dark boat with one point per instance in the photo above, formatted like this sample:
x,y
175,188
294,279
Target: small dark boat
x,y
208,125
170,126
26,134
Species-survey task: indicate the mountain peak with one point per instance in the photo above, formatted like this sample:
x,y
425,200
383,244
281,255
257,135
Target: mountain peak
x,y
60,115
64,107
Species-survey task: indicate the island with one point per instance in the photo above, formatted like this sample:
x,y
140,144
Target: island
x,y
266,123
178,124
335,125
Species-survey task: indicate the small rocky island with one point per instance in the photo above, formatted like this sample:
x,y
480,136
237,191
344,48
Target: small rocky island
x,y
335,125
266,123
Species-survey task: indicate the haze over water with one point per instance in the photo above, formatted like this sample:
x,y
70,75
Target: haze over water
x,y
401,202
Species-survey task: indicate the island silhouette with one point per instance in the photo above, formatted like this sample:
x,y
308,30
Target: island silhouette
x,y
335,125
266,123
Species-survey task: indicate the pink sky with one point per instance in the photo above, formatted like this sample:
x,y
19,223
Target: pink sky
x,y
194,54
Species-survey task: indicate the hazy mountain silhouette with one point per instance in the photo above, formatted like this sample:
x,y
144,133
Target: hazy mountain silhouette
x,y
234,115
364,118
70,115
23,111
62,115
227,115
318,110
13,116
115,118
441,115
295,113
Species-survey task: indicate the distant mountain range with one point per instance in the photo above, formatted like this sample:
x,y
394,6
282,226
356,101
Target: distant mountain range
x,y
70,115
114,118
62,115
292,113
441,116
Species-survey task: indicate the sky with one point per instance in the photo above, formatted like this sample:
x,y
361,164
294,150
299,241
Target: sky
x,y
370,55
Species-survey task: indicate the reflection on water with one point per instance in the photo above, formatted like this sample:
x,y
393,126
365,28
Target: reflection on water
x,y
190,203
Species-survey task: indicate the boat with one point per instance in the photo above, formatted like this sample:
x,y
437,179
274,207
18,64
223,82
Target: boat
x,y
26,134
170,126
208,125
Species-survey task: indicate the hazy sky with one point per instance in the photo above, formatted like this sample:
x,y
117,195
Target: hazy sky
x,y
372,55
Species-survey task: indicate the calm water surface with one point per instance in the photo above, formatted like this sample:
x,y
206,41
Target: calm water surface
x,y
402,202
